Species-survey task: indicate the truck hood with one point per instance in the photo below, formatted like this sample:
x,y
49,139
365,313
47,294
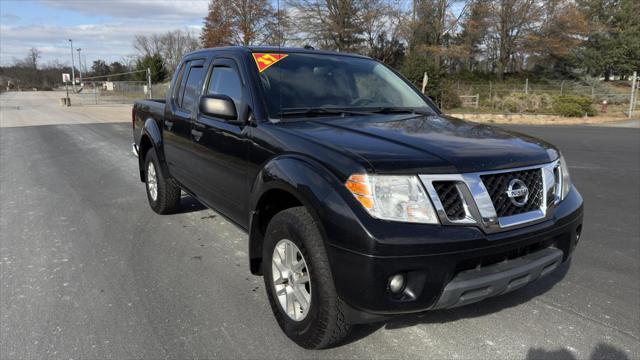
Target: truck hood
x,y
424,144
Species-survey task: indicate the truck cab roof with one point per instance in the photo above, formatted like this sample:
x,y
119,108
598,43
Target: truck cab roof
x,y
275,49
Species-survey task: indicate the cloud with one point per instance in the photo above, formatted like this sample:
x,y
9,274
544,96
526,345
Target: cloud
x,y
136,9
104,29
9,18
110,42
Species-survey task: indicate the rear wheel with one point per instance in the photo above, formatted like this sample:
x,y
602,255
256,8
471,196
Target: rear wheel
x,y
162,192
299,283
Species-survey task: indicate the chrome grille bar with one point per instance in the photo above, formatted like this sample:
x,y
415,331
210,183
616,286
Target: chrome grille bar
x,y
478,205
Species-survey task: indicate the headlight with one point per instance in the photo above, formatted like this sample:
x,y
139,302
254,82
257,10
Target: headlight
x,y
565,184
391,197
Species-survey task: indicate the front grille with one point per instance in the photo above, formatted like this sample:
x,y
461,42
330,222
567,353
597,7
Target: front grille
x,y
450,199
497,185
555,189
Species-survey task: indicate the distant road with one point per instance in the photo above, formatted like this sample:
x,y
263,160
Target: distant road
x,y
29,108
623,124
88,271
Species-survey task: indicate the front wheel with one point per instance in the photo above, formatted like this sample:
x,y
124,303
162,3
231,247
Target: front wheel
x,y
162,192
299,283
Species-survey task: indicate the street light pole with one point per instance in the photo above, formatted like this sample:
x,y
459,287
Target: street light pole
x,y
80,65
73,65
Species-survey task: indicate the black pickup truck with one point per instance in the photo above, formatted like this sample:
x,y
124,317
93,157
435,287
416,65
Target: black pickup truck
x,y
360,198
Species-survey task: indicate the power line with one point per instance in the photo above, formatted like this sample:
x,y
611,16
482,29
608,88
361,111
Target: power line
x,y
124,73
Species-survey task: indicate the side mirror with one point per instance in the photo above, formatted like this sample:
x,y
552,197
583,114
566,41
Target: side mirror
x,y
220,106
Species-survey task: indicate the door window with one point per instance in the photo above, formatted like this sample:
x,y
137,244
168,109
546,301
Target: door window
x,y
226,81
176,94
191,88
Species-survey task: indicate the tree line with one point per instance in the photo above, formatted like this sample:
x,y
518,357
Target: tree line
x,y
475,39
554,37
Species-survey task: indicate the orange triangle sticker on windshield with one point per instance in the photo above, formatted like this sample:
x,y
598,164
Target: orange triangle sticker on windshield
x,y
263,61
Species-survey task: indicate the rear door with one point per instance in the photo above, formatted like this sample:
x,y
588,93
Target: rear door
x,y
220,146
178,121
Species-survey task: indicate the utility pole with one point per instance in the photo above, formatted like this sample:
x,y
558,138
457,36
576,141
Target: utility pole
x,y
80,65
73,65
149,82
633,94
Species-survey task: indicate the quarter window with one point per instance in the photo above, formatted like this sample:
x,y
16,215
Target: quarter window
x,y
191,88
179,87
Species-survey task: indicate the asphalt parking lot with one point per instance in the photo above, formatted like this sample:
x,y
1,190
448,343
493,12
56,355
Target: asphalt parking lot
x,y
88,271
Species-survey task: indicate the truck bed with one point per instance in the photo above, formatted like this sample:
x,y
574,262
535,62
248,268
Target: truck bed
x,y
150,108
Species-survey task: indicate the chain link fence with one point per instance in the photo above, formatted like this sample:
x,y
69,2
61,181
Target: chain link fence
x,y
613,98
110,92
108,89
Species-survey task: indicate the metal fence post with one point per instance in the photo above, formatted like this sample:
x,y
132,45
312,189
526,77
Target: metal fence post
x,y
633,93
562,88
149,82
425,80
95,93
490,96
526,86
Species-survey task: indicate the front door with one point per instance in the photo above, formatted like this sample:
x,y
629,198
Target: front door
x,y
220,147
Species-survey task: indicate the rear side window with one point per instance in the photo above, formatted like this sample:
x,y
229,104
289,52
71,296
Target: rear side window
x,y
179,87
225,81
191,88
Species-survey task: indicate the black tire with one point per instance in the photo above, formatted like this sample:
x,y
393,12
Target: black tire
x,y
325,323
167,199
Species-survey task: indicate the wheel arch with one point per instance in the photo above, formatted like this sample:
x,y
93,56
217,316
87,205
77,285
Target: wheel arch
x,y
286,181
145,146
151,138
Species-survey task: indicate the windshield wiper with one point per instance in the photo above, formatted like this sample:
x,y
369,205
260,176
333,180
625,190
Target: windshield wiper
x,y
400,110
313,111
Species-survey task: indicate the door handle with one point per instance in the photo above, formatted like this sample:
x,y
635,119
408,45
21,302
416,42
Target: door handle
x,y
168,124
196,134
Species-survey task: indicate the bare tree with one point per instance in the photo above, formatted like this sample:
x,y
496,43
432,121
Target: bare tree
x,y
474,29
331,24
432,30
174,44
250,17
242,22
129,61
381,17
171,46
279,29
32,58
147,45
512,21
432,20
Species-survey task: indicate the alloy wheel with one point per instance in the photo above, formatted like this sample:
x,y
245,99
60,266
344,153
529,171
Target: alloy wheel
x,y
291,279
152,181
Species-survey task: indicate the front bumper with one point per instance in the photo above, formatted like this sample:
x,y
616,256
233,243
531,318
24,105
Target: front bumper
x,y
470,286
458,271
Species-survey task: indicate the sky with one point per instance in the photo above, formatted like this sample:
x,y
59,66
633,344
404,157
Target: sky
x,y
103,29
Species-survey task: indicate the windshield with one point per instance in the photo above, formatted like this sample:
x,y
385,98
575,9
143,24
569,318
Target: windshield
x,y
312,82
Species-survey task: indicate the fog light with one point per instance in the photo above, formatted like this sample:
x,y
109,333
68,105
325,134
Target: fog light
x,y
396,283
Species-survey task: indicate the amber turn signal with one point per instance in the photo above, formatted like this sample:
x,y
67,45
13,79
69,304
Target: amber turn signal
x,y
359,186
